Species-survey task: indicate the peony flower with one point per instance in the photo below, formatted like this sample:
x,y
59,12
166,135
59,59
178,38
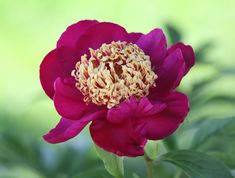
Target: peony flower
x,y
122,83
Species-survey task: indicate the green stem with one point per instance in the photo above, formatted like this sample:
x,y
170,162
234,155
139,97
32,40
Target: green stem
x,y
149,166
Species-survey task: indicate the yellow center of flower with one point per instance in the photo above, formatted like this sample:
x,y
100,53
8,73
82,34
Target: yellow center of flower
x,y
114,73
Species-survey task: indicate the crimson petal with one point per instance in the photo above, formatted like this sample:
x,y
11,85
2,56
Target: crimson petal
x,y
166,122
119,139
100,33
67,129
188,54
154,44
73,33
50,69
68,100
169,75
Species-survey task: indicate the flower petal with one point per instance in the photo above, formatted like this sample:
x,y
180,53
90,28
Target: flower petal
x,y
188,54
100,33
166,122
50,69
169,74
73,32
69,102
134,37
67,129
119,139
154,44
132,108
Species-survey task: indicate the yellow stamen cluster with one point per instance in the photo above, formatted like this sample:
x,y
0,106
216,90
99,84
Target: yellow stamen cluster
x,y
113,73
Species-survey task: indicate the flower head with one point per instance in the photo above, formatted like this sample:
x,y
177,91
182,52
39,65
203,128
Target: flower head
x,y
123,83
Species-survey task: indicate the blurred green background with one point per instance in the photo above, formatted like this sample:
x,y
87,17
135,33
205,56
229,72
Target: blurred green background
x,y
29,29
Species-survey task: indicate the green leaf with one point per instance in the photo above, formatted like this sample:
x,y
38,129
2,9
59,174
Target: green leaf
x,y
112,163
173,33
151,149
227,158
208,129
196,164
171,143
94,173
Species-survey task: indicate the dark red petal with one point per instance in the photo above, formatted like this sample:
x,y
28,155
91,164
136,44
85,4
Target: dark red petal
x,y
134,37
188,54
132,108
50,69
100,33
73,32
154,44
67,129
68,100
166,122
117,138
169,75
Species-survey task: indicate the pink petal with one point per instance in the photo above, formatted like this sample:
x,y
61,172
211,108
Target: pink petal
x,y
164,123
67,129
50,69
132,109
73,33
154,44
68,100
169,74
117,138
134,37
188,54
100,33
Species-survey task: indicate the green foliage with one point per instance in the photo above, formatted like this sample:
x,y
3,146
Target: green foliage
x,y
112,162
197,165
208,129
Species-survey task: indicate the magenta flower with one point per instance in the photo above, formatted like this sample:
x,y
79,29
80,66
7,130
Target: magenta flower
x,y
123,83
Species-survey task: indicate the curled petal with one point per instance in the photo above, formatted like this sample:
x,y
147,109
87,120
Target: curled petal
x,y
68,100
67,129
50,69
164,123
133,108
154,44
73,33
134,37
188,54
100,33
169,75
119,139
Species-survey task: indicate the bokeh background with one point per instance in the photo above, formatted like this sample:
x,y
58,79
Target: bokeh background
x,y
29,29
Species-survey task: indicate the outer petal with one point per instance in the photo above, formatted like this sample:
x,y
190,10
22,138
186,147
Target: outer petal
x,y
134,37
188,54
117,138
73,32
100,33
154,44
50,69
166,122
69,101
169,75
67,128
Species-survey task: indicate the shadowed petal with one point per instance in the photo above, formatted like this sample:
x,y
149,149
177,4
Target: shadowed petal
x,y
188,54
133,108
119,139
69,102
100,33
169,75
154,44
67,129
166,122
50,69
134,37
73,33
